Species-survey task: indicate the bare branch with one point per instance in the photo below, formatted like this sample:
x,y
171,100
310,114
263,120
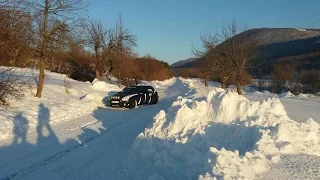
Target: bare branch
x,y
11,85
226,53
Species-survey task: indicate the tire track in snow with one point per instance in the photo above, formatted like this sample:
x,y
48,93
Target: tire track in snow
x,y
61,135
56,156
126,118
59,155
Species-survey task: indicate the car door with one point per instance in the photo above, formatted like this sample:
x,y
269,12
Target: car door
x,y
144,92
150,92
141,96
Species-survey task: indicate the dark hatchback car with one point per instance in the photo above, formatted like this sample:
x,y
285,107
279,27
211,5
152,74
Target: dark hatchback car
x,y
133,96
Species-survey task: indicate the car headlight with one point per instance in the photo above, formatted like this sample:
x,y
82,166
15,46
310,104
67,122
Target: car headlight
x,y
115,97
125,99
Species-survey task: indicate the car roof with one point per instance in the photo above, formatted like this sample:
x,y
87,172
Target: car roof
x,y
143,86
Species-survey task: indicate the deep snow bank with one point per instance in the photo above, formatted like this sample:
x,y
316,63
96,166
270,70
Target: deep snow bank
x,y
225,135
63,100
159,84
102,85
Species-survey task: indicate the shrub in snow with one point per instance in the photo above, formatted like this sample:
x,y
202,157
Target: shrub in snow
x,y
286,94
67,84
83,73
225,136
10,86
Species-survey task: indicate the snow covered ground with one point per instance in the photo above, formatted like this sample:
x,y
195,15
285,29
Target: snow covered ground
x,y
226,136
194,132
299,108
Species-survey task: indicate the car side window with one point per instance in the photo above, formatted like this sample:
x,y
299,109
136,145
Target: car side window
x,y
145,90
142,90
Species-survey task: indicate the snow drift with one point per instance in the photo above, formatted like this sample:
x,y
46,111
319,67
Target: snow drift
x,y
62,105
222,136
102,85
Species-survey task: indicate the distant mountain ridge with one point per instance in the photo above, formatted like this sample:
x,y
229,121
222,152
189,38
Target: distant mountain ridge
x,y
182,62
277,35
275,43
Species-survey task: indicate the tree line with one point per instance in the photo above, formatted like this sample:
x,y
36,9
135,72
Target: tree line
x,y
287,76
56,35
230,56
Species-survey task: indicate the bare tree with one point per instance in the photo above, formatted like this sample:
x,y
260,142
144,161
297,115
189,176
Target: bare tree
x,y
261,80
213,61
311,81
112,48
282,73
227,53
63,12
15,35
98,40
237,50
209,42
9,4
119,49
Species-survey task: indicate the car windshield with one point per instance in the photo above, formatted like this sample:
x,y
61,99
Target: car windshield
x,y
130,90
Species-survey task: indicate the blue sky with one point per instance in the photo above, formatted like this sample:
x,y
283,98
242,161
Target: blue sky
x,y
167,29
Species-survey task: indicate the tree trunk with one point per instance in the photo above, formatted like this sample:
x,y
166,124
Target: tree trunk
x,y
145,74
41,77
98,75
97,64
260,85
238,84
59,67
52,64
107,75
224,83
119,80
206,81
43,50
15,57
145,71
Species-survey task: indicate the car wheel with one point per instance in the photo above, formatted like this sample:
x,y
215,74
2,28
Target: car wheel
x,y
108,105
133,104
155,101
156,98
106,101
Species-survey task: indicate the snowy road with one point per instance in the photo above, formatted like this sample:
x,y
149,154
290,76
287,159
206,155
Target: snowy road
x,y
67,152
72,136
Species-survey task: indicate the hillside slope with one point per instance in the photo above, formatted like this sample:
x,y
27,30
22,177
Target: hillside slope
x,y
276,43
